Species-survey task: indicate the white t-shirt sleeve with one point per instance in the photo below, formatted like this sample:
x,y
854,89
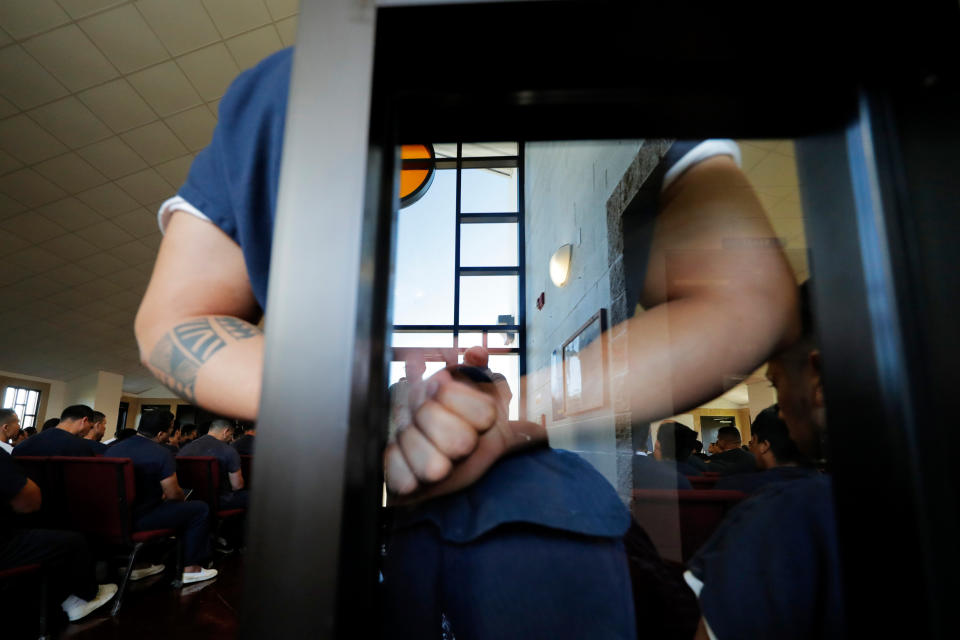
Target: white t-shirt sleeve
x,y
704,150
176,203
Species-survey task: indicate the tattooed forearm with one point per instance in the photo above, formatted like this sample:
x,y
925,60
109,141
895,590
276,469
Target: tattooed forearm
x,y
179,354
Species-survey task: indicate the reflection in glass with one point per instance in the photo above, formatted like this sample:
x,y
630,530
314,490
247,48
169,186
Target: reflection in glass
x,y
509,366
488,149
422,339
489,190
483,299
486,244
8,396
470,339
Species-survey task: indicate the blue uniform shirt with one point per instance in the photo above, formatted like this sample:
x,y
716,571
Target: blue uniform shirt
x,y
152,462
54,442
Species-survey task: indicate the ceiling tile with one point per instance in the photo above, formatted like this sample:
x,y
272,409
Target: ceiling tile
x,y
182,25
98,289
70,298
36,259
124,300
146,186
118,105
282,8
71,274
775,170
750,156
40,286
785,147
105,235
101,264
7,108
236,16
9,207
29,188
122,318
214,107
70,213
10,242
25,83
24,18
250,48
70,56
193,127
165,88
71,122
71,173
155,143
137,223
27,141
81,8
8,163
210,70
128,278
175,171
33,227
71,247
124,37
288,31
133,253
113,158
14,272
153,240
109,200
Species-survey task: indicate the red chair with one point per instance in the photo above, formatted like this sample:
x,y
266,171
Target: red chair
x,y
712,474
680,522
703,482
202,474
98,494
246,467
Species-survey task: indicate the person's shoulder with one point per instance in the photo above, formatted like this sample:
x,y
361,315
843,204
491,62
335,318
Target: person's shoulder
x,y
259,90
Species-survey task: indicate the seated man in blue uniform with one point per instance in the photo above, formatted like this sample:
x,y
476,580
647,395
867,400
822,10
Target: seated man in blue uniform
x,y
160,500
777,456
215,444
65,439
674,446
63,554
197,332
780,546
731,458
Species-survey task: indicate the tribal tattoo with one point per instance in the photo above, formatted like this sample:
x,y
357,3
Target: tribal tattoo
x,y
180,353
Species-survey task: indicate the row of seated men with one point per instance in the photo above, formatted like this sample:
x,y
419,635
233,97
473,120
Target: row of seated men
x,y
771,456
160,502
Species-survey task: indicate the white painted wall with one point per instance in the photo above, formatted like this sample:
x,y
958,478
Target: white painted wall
x,y
82,390
107,398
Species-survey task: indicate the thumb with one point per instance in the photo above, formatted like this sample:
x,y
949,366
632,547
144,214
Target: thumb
x,y
476,357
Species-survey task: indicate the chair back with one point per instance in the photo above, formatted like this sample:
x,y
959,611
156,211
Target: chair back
x,y
680,522
98,494
202,474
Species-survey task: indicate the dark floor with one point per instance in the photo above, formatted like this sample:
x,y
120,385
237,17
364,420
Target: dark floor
x,y
153,609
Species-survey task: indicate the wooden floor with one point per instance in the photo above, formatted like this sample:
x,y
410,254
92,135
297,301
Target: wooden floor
x,y
153,609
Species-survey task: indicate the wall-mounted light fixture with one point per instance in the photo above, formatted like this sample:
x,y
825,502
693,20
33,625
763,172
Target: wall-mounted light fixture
x,y
560,265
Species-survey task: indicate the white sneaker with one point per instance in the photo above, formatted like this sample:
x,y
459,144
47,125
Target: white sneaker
x,y
199,576
76,608
146,572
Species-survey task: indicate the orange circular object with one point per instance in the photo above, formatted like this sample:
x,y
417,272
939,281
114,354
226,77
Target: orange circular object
x,y
416,172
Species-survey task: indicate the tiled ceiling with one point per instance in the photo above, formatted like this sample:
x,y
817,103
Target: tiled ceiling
x,y
103,105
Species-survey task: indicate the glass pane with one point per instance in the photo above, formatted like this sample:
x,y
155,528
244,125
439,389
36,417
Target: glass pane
x,y
419,339
488,190
28,421
21,396
445,149
470,339
509,366
423,285
19,411
8,396
398,370
488,245
489,149
502,340
483,299
32,402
